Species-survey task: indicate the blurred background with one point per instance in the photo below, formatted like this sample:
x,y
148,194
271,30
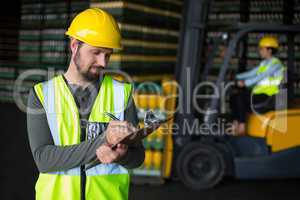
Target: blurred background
x,y
163,40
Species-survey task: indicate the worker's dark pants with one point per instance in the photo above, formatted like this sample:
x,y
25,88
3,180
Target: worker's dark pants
x,y
241,104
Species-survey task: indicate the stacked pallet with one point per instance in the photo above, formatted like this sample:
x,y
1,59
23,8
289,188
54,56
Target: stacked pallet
x,y
266,11
150,31
221,14
42,43
42,40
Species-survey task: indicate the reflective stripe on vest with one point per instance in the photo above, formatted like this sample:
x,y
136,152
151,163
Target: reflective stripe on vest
x,y
104,181
269,85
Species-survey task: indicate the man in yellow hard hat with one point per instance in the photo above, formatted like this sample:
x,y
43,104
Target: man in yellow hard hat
x,y
72,128
264,82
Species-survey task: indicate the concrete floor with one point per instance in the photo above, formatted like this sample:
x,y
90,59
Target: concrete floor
x,y
18,173
228,190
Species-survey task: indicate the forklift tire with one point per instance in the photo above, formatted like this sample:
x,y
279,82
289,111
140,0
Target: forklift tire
x,y
200,166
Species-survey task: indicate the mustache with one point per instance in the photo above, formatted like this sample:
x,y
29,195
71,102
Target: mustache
x,y
97,66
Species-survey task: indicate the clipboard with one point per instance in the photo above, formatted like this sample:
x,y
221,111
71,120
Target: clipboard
x,y
133,138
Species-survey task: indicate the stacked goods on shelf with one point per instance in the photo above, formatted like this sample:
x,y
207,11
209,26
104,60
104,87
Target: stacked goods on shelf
x,y
42,42
296,16
29,36
42,39
160,97
218,59
270,11
150,31
221,17
221,14
9,23
30,53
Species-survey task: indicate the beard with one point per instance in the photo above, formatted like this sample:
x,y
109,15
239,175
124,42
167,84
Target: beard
x,y
91,74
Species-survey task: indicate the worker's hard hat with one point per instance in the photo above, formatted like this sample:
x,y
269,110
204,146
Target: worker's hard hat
x,y
96,28
269,41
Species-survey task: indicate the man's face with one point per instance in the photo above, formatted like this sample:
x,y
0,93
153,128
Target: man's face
x,y
91,60
265,52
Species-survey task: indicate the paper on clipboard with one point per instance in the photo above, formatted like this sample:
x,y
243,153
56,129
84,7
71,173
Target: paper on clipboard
x,y
134,137
141,133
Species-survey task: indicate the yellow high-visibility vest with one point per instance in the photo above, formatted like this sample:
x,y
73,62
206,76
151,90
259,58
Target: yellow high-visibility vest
x,y
104,181
269,85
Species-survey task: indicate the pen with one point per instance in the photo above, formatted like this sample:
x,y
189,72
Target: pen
x,y
111,116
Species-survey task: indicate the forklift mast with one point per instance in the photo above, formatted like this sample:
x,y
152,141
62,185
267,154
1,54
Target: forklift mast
x,y
189,59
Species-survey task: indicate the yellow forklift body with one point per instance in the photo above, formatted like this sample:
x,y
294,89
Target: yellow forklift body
x,y
279,128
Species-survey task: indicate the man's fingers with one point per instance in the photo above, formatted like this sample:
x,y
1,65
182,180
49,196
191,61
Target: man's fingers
x,y
122,150
112,156
122,146
120,123
117,130
132,128
106,155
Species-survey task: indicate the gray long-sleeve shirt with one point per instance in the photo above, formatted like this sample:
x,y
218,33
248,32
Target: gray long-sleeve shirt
x,y
49,157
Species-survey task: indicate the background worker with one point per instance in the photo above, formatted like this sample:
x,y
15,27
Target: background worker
x,y
70,131
263,81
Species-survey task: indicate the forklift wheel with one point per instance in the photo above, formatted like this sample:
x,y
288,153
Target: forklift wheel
x,y
200,166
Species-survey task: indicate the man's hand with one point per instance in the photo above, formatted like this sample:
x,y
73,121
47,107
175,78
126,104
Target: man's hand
x,y
106,155
117,130
241,83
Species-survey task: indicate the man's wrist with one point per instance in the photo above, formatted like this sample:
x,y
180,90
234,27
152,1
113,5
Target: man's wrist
x,y
123,159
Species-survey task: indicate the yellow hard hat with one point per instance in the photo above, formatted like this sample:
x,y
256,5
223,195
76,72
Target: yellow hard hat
x,y
269,41
96,28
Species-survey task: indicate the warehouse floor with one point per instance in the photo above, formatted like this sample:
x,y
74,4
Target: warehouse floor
x,y
228,190
18,173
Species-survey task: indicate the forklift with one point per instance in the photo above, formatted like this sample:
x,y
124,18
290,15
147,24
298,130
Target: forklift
x,y
271,148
